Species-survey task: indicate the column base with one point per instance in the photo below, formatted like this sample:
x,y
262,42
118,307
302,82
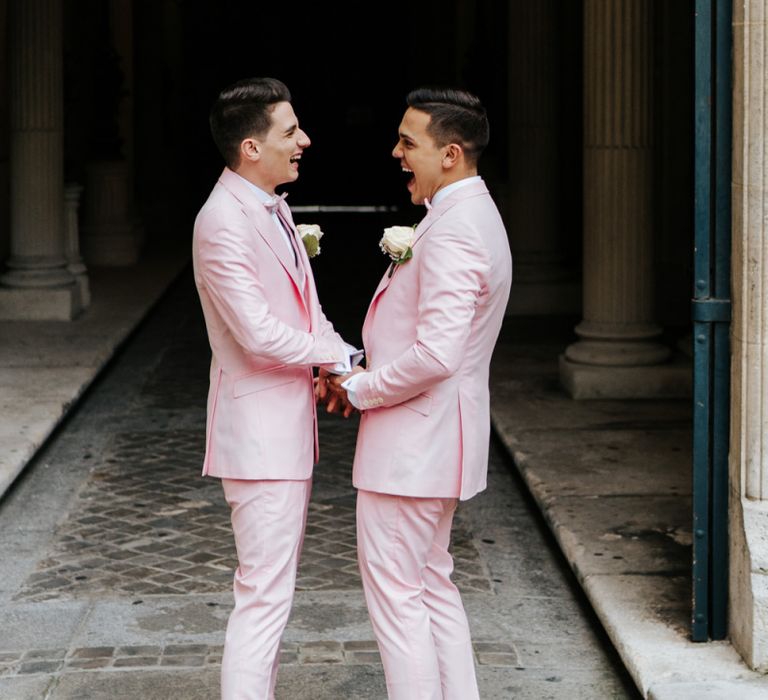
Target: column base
x,y
672,380
43,304
544,298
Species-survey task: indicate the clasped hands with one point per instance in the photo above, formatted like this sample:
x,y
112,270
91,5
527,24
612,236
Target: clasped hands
x,y
328,391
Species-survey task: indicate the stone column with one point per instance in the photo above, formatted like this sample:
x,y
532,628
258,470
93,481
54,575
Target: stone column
x,y
108,233
748,506
111,234
37,284
618,336
532,206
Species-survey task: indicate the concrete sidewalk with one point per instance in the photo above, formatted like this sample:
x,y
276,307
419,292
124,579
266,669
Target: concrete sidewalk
x,y
613,480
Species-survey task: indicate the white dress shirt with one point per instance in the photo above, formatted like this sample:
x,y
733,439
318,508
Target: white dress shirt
x,y
267,199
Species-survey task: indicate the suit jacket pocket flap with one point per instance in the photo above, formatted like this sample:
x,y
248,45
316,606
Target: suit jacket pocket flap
x,y
263,379
421,403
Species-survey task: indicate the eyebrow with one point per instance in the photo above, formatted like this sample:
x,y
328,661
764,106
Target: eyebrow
x,y
404,135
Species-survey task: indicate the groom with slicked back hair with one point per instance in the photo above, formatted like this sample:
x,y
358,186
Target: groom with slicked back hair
x,y
266,330
423,440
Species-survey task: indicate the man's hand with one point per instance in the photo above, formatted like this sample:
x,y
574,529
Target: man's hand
x,y
328,390
339,399
321,385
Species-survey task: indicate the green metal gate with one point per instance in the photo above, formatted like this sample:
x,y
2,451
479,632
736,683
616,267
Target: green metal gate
x,y
711,317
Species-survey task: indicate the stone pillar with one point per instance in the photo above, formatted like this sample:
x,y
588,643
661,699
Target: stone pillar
x,y
75,264
532,206
618,337
37,284
748,506
108,233
111,234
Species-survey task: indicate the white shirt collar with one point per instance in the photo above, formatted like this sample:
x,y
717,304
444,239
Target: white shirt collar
x,y
443,193
261,194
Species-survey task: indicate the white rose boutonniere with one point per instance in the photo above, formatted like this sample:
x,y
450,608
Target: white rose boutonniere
x,y
310,236
396,242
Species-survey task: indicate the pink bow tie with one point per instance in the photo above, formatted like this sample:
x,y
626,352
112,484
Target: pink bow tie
x,y
427,204
274,202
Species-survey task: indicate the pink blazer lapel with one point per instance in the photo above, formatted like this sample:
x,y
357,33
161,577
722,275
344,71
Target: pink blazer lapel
x,y
265,226
433,215
423,225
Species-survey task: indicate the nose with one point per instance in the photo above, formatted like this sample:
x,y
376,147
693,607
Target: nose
x,y
397,152
303,139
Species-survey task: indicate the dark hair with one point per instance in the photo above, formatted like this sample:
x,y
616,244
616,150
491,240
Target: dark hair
x,y
457,116
243,110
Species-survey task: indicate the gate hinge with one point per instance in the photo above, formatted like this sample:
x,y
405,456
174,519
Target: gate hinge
x,y
711,310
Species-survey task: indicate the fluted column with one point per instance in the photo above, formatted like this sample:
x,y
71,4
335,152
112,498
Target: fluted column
x,y
532,207
618,330
111,236
748,603
37,282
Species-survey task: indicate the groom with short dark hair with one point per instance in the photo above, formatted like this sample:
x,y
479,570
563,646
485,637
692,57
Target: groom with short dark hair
x,y
266,331
423,440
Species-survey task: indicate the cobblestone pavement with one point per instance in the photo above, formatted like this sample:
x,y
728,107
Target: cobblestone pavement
x,y
126,593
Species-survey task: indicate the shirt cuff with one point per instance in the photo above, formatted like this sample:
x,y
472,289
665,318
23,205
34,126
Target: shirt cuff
x,y
353,358
349,386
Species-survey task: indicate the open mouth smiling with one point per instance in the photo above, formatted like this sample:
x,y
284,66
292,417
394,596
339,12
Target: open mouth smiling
x,y
411,178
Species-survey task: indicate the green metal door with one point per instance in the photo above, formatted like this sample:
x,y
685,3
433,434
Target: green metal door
x,y
711,317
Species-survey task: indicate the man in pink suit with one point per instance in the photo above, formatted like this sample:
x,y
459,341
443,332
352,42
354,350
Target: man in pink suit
x,y
266,330
424,430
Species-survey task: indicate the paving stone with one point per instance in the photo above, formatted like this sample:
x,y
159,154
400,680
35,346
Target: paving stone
x,y
182,661
47,654
93,652
362,645
362,657
86,664
39,667
321,652
145,650
136,661
184,649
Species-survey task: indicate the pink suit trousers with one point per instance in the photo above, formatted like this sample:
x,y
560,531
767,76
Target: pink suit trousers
x,y
415,609
268,520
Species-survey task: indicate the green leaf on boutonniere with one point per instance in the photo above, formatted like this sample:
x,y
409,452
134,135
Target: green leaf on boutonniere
x,y
312,245
405,257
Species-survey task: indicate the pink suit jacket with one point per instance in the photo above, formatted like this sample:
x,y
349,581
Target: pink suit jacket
x,y
266,330
429,335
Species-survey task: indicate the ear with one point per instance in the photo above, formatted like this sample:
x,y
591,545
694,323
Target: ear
x,y
250,150
453,155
